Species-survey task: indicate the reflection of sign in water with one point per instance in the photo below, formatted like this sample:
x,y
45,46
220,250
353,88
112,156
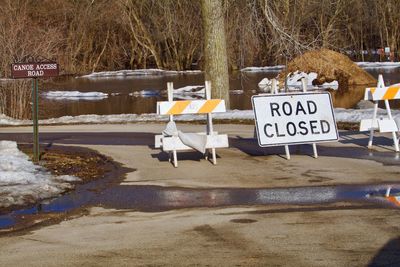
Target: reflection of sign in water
x,y
34,70
294,119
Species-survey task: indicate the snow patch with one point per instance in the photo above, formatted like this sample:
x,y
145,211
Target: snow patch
x,y
378,65
133,73
22,182
342,115
191,90
74,95
264,69
293,82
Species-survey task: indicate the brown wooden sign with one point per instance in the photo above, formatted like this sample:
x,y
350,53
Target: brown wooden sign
x,y
34,70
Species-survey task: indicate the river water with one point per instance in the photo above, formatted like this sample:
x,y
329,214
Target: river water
x,y
124,97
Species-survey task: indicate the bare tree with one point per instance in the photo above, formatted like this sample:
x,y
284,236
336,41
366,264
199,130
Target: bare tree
x,y
216,60
19,44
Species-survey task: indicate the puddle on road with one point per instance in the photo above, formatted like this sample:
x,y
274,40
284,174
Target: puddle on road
x,y
156,198
108,193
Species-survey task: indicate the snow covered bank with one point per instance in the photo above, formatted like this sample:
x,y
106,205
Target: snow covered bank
x,y
378,65
195,92
22,182
133,73
157,72
74,95
342,115
264,69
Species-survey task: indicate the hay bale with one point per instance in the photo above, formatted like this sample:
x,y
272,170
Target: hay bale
x,y
330,66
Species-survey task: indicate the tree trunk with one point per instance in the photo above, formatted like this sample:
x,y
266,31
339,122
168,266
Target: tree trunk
x,y
215,55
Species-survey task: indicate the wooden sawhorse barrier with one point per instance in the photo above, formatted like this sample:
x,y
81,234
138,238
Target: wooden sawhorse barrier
x,y
384,125
173,144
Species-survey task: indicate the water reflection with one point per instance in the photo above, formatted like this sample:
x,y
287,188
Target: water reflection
x,y
156,198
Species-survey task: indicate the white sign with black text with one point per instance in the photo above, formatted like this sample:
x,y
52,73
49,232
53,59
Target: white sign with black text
x,y
288,119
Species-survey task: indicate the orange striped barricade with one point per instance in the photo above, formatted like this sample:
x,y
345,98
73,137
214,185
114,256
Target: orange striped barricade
x,y
207,106
384,125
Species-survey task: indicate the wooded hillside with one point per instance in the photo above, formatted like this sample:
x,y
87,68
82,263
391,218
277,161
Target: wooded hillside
x,y
93,35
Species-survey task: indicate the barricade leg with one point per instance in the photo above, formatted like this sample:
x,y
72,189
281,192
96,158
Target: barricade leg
x,y
287,151
314,145
214,156
175,159
396,141
371,132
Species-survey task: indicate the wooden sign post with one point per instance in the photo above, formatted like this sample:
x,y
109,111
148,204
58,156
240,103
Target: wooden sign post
x,y
34,71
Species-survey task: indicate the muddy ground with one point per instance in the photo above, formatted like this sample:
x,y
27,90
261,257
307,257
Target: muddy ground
x,y
84,163
118,234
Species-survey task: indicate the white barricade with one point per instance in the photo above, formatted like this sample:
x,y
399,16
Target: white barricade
x,y
173,143
387,124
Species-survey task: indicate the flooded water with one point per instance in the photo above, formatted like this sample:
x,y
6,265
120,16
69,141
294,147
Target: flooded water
x,y
124,97
157,199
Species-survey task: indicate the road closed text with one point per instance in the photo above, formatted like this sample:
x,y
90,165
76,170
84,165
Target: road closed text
x,y
302,127
291,119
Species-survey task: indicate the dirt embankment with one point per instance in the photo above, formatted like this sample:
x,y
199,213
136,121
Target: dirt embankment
x,y
330,66
80,162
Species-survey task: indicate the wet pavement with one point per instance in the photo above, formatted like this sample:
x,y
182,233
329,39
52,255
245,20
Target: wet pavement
x,y
108,192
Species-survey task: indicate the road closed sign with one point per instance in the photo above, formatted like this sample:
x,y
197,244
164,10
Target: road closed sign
x,y
288,119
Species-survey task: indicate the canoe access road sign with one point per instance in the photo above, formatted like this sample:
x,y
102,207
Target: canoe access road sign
x,y
34,70
289,119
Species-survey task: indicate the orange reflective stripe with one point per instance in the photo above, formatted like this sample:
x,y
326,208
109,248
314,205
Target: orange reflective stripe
x,y
391,93
393,200
209,106
178,107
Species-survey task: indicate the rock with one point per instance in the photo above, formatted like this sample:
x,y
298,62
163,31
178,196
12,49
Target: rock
x,y
364,104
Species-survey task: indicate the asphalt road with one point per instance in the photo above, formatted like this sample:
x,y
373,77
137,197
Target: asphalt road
x,y
320,234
